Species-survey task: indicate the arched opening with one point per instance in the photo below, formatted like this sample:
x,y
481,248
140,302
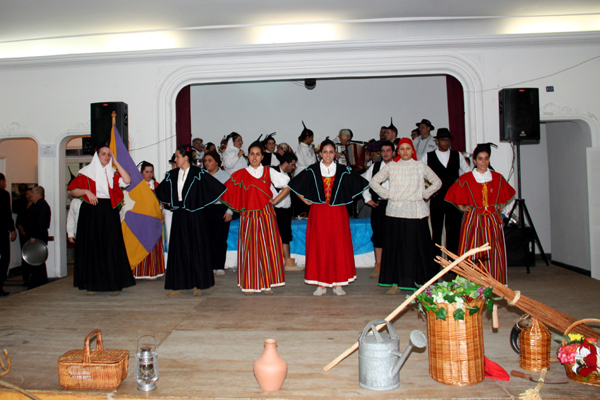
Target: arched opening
x,y
360,104
555,187
71,159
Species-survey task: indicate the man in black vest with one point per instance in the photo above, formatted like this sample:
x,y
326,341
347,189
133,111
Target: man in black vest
x,y
283,211
448,165
372,199
36,227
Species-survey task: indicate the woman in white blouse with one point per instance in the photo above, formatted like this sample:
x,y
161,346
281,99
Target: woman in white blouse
x,y
407,258
306,154
234,157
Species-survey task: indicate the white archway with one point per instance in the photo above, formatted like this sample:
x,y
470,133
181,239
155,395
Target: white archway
x,y
318,61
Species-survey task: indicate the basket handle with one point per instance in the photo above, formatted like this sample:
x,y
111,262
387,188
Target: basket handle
x,y
86,344
581,321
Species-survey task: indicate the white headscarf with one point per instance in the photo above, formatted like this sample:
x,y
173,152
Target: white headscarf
x,y
103,176
230,147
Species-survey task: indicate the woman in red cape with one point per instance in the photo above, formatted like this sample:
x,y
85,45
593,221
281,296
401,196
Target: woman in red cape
x,y
260,252
327,187
482,194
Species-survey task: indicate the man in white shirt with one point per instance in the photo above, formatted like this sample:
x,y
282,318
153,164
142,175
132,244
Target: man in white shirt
x,y
378,205
341,143
424,143
448,165
199,149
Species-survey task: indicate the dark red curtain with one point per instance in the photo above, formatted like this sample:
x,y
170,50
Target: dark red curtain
x,y
183,125
456,112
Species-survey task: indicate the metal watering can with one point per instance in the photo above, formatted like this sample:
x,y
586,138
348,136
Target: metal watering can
x,y
379,358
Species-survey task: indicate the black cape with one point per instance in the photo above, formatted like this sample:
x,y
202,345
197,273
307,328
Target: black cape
x,y
199,190
189,263
346,186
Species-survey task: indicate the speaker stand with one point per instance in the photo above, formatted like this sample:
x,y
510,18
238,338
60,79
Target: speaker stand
x,y
523,212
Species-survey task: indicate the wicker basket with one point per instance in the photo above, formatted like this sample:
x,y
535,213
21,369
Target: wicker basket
x,y
593,380
456,355
97,369
535,342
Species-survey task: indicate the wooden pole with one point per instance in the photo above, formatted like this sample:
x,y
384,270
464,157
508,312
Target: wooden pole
x,y
397,311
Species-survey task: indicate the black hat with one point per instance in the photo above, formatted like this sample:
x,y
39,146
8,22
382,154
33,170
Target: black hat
x,y
172,160
257,143
443,133
392,127
483,147
269,136
426,122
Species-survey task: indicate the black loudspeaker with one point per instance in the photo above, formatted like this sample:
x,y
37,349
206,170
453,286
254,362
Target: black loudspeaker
x,y
101,122
519,246
519,114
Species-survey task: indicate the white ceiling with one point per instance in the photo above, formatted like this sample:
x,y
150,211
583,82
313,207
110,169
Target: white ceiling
x,y
25,20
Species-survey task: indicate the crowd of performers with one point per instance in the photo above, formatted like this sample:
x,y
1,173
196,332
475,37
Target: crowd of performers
x,y
206,188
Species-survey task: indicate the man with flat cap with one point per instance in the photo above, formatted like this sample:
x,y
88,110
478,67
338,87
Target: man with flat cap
x,y
448,165
424,143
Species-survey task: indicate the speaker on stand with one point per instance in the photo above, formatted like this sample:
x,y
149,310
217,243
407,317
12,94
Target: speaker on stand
x,y
520,122
101,123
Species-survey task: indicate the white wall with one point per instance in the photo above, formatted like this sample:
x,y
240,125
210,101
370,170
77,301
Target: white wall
x,y
569,207
362,105
48,98
535,187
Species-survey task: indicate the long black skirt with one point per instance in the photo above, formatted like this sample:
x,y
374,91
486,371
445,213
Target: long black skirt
x,y
407,257
101,263
219,230
187,265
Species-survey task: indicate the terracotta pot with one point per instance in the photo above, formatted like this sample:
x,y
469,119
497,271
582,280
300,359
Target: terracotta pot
x,y
270,369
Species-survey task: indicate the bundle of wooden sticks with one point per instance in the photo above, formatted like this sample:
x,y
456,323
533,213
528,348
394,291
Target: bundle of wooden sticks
x,y
477,273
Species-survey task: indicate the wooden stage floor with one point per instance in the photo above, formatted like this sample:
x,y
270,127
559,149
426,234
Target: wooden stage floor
x,y
207,344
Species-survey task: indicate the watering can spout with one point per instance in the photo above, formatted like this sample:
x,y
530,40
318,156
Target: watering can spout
x,y
418,340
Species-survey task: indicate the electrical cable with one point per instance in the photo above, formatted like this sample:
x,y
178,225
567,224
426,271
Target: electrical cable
x,y
140,148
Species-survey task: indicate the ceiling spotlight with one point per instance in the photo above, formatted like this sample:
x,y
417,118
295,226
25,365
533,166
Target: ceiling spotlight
x,y
310,83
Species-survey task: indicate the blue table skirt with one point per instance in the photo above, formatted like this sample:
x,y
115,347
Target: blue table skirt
x,y
360,228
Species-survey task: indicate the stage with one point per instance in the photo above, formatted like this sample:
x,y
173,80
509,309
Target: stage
x,y
207,344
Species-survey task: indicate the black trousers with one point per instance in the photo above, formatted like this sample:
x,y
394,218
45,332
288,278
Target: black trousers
x,y
4,257
443,212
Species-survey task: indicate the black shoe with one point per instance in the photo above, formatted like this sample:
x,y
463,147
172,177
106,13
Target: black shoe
x,y
3,293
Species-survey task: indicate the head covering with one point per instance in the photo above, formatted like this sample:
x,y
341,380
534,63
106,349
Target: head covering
x,y
230,147
443,133
426,122
305,132
269,136
286,147
483,147
409,141
99,174
257,143
392,127
172,160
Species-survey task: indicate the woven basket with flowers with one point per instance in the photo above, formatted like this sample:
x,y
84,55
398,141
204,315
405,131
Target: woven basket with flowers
x,y
580,356
454,330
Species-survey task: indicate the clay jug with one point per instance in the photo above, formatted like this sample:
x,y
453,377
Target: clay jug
x,y
270,369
